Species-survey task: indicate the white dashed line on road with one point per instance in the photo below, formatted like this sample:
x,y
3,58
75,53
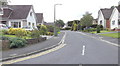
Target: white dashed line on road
x,y
83,50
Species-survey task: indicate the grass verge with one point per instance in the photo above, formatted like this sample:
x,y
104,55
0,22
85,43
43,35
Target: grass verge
x,y
113,35
103,31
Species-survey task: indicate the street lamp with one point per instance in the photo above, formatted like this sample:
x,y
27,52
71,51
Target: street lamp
x,y
55,31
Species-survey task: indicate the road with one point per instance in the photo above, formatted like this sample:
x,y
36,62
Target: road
x,y
78,49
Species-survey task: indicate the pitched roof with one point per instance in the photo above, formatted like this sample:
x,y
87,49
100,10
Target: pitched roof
x,y
6,12
118,8
39,17
20,11
16,11
107,12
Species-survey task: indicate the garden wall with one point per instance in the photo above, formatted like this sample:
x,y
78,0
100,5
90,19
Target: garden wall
x,y
6,43
35,40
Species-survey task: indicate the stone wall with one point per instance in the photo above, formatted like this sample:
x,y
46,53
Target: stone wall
x,y
6,43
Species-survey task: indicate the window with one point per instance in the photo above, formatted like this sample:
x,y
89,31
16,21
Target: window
x,y
118,21
16,24
29,23
101,22
30,13
33,24
113,22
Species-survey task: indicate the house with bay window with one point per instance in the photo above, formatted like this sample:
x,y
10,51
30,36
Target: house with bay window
x,y
18,16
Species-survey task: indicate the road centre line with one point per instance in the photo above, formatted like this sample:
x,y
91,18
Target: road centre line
x,y
83,50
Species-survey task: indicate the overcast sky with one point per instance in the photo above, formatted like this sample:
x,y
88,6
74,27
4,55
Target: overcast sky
x,y
69,10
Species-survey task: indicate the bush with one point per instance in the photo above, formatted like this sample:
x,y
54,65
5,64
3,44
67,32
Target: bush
x,y
50,33
98,29
101,27
4,31
43,30
21,32
12,31
35,33
4,38
94,26
50,28
67,28
17,42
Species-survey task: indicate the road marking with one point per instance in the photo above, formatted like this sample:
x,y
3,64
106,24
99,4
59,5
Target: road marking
x,y
100,38
39,54
63,40
34,56
83,51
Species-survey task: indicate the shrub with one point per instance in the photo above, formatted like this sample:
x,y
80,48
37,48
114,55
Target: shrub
x,y
43,30
50,33
35,33
4,31
101,27
94,26
50,28
38,26
67,28
4,38
21,32
98,29
17,42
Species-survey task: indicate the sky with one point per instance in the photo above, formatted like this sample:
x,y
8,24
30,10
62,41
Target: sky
x,y
69,10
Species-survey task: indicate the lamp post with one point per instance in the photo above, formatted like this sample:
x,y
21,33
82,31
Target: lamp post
x,y
55,31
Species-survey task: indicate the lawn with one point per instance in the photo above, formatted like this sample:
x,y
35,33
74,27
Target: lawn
x,y
103,31
114,35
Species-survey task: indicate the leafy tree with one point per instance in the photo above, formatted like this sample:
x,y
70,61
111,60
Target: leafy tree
x,y
87,19
70,23
74,26
60,23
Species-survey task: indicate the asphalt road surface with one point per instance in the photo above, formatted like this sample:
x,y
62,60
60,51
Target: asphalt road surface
x,y
79,49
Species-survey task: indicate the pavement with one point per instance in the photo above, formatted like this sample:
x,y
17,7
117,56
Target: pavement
x,y
110,39
79,48
31,49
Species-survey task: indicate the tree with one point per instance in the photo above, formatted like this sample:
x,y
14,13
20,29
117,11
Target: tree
x,y
70,23
87,19
60,23
74,26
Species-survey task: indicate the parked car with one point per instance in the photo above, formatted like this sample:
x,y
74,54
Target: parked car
x,y
3,26
28,28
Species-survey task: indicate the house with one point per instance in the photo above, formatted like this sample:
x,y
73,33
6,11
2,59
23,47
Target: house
x,y
104,16
49,23
40,18
115,18
19,16
94,21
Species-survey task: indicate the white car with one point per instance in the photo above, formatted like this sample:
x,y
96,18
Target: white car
x,y
3,26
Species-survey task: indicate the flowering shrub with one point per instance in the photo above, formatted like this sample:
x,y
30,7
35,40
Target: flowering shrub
x,y
19,32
